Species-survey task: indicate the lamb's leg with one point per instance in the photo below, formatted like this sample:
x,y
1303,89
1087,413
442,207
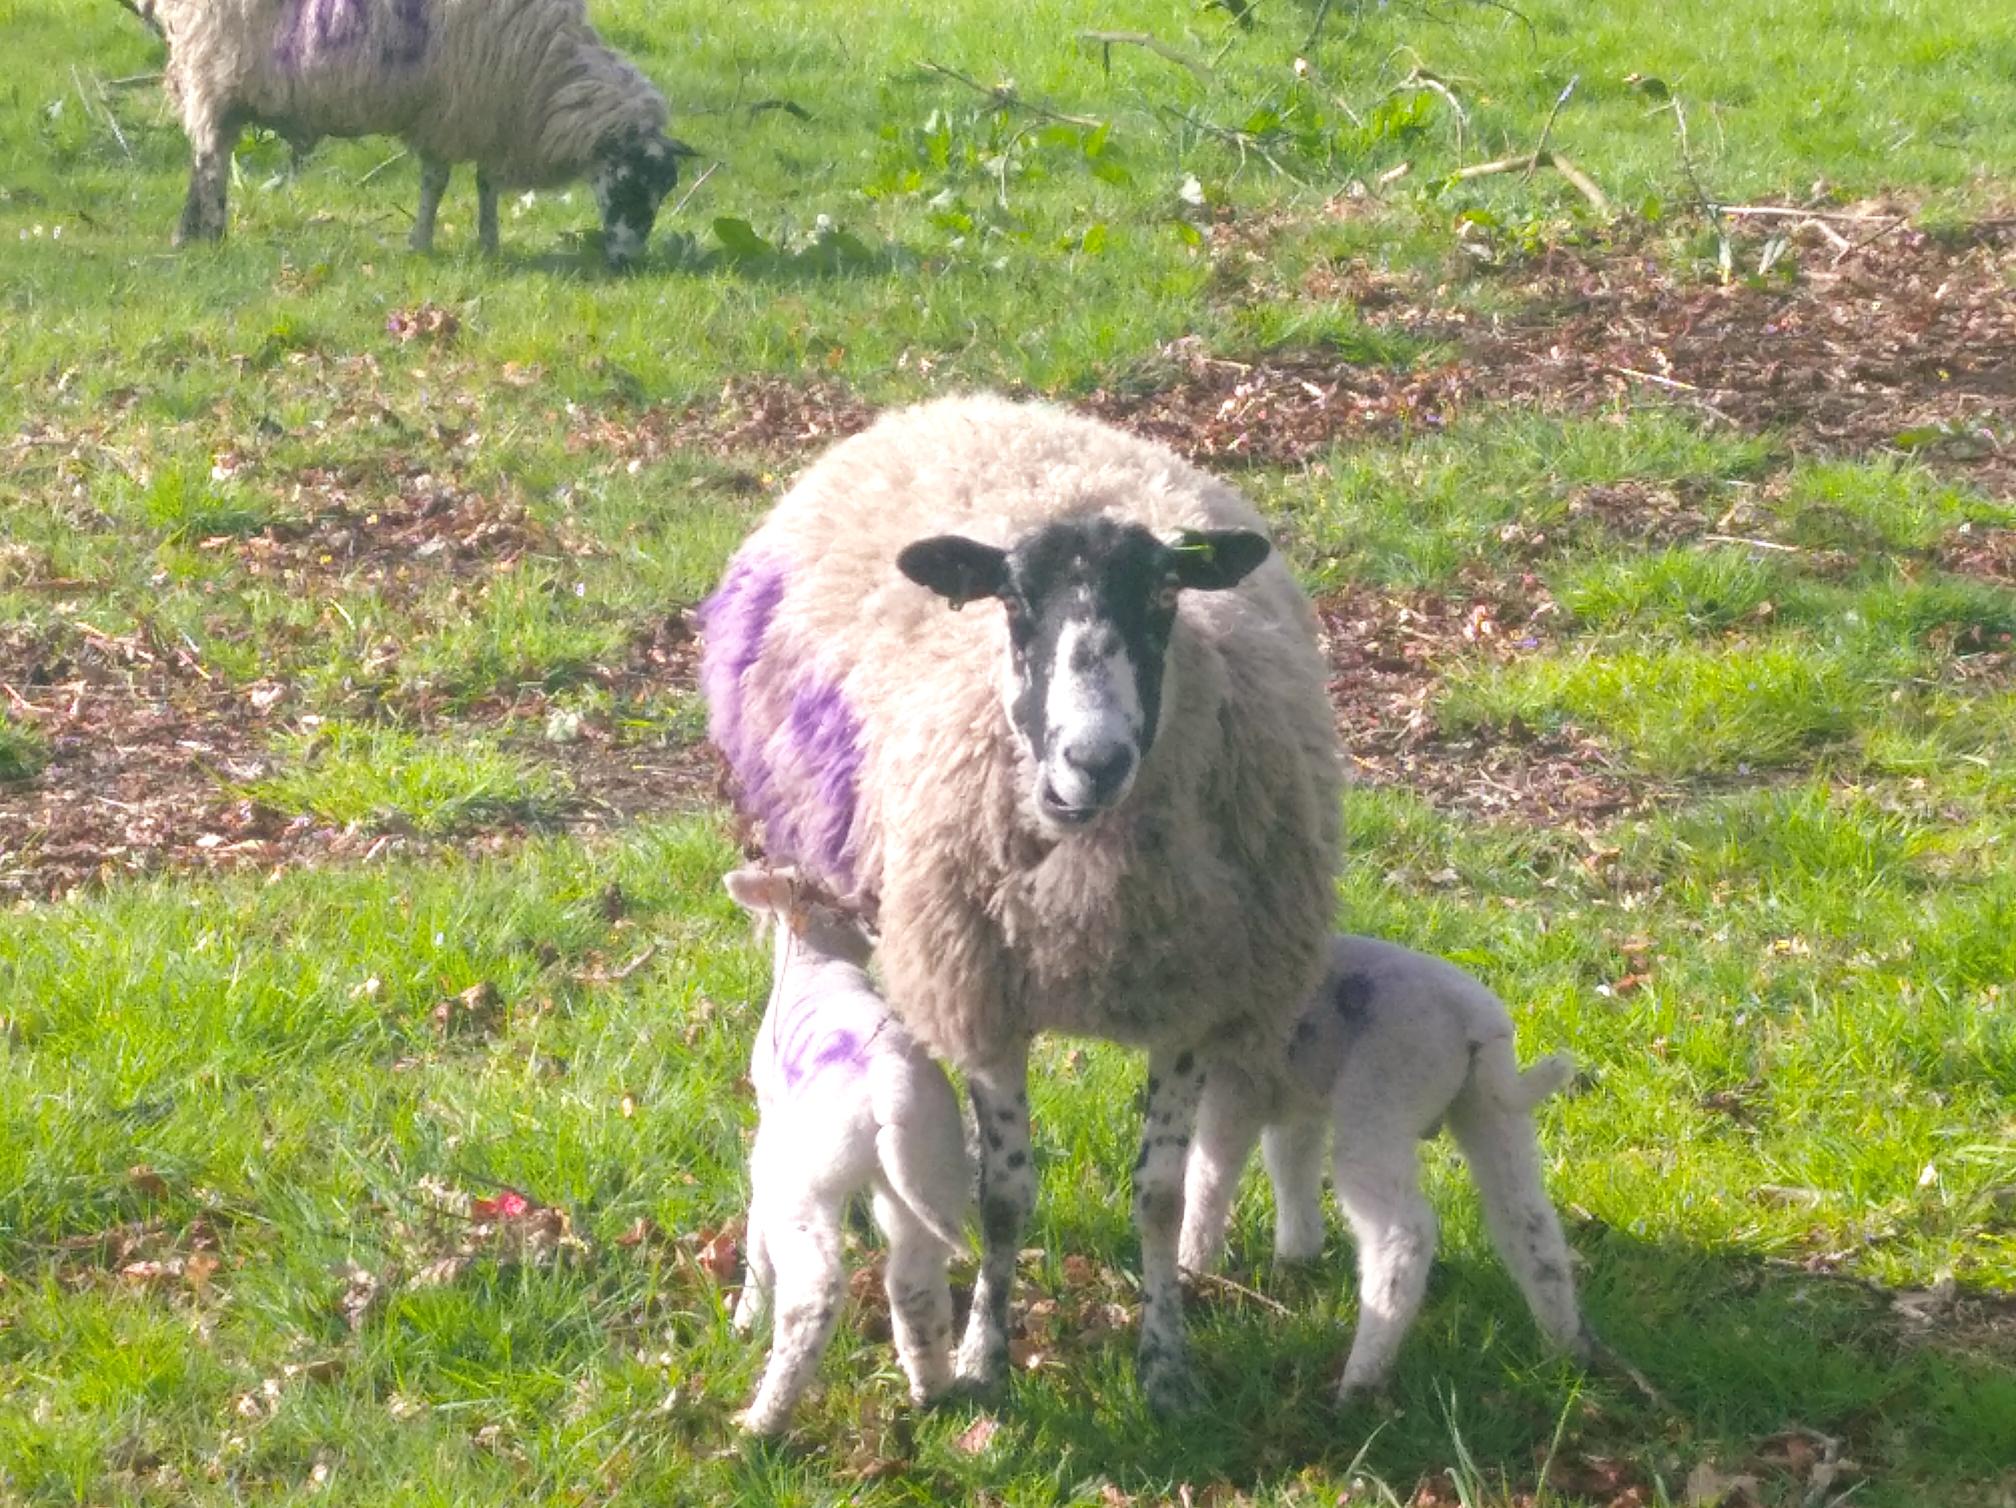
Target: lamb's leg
x,y
920,1298
1378,1179
1000,1095
205,211
1504,1159
758,1280
804,1244
1228,1120
1293,1152
486,213
433,184
1175,1085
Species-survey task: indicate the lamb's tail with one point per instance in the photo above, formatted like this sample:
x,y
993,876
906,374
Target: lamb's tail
x,y
1543,1079
924,1166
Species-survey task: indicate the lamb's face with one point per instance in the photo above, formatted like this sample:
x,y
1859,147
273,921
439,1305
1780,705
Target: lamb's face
x,y
633,174
1089,607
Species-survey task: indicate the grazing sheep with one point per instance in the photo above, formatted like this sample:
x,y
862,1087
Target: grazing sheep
x,y
849,1101
1393,1044
522,88
1103,801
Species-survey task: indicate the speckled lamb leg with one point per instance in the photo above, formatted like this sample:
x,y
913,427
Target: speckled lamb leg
x,y
1000,1095
206,209
1175,1086
433,184
486,213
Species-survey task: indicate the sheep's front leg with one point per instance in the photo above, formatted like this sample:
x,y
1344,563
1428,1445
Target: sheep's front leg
x,y
486,213
433,184
1000,1095
205,210
1175,1086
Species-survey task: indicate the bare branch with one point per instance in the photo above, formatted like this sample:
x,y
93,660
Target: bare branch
x,y
1005,97
1108,40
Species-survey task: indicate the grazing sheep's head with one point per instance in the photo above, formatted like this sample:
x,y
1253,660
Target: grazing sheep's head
x,y
634,171
1090,606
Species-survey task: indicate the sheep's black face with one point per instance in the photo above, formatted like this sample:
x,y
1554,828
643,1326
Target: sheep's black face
x,y
1090,607
633,174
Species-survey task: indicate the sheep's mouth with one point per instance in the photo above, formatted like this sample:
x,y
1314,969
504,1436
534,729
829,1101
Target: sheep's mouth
x,y
1058,810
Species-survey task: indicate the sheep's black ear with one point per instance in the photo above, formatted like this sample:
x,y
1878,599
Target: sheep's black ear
x,y
957,569
1209,560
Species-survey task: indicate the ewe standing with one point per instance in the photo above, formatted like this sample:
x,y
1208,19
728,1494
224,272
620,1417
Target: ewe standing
x,y
522,88
1103,800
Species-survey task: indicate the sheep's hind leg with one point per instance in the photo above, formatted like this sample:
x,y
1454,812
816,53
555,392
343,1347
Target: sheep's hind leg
x,y
1293,1151
433,184
1175,1086
920,1299
1227,1123
1378,1180
486,213
205,211
1000,1095
804,1243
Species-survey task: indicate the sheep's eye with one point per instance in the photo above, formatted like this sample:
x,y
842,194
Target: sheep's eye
x,y
1012,607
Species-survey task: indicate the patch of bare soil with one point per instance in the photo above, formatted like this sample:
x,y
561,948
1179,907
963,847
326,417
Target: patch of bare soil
x,y
149,756
1387,653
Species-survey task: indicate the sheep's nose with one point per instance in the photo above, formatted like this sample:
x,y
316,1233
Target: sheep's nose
x,y
1104,764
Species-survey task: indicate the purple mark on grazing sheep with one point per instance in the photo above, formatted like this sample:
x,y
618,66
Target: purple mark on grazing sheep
x,y
314,31
798,775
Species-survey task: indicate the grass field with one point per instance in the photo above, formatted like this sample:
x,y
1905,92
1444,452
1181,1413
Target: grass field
x,y
361,855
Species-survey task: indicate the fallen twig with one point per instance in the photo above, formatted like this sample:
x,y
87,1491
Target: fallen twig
x,y
1581,182
1793,212
396,157
695,188
1525,162
1242,141
133,80
1755,544
790,107
1108,40
1219,1280
1005,97
1547,130
1420,79
1871,239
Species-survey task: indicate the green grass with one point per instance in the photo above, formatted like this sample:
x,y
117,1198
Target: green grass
x,y
223,1097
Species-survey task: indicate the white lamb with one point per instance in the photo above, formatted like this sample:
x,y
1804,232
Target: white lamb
x,y
524,89
849,1101
1392,1045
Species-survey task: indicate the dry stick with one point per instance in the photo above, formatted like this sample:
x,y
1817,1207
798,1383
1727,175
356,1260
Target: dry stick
x,y
695,188
1005,97
1111,39
396,157
1582,182
1527,161
1419,80
133,80
1793,212
1869,240
1243,141
790,107
1547,130
1219,1280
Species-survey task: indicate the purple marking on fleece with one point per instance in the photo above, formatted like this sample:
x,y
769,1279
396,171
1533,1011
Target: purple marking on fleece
x,y
799,778
313,31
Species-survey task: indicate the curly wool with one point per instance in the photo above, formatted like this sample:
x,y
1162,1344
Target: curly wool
x,y
525,89
864,724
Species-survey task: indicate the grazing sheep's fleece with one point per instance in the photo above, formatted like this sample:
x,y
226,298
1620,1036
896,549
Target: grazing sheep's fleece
x,y
870,734
522,88
849,1101
1391,1046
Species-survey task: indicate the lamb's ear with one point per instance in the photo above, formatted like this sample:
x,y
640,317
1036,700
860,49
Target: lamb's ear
x,y
1209,560
758,890
958,569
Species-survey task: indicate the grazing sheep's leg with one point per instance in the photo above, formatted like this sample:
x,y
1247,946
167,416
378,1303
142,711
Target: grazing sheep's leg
x,y
1378,1179
758,1280
1293,1152
1228,1121
486,213
920,1298
205,211
1504,1159
804,1243
1175,1085
1000,1095
433,184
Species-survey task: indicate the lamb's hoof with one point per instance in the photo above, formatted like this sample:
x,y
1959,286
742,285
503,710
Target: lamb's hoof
x,y
1359,1395
1171,1387
762,1424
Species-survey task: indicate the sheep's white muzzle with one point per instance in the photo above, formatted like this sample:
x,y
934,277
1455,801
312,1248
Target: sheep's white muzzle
x,y
1093,721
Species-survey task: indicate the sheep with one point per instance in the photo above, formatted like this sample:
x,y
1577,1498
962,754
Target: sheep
x,y
1392,1045
1105,805
522,88
848,1101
